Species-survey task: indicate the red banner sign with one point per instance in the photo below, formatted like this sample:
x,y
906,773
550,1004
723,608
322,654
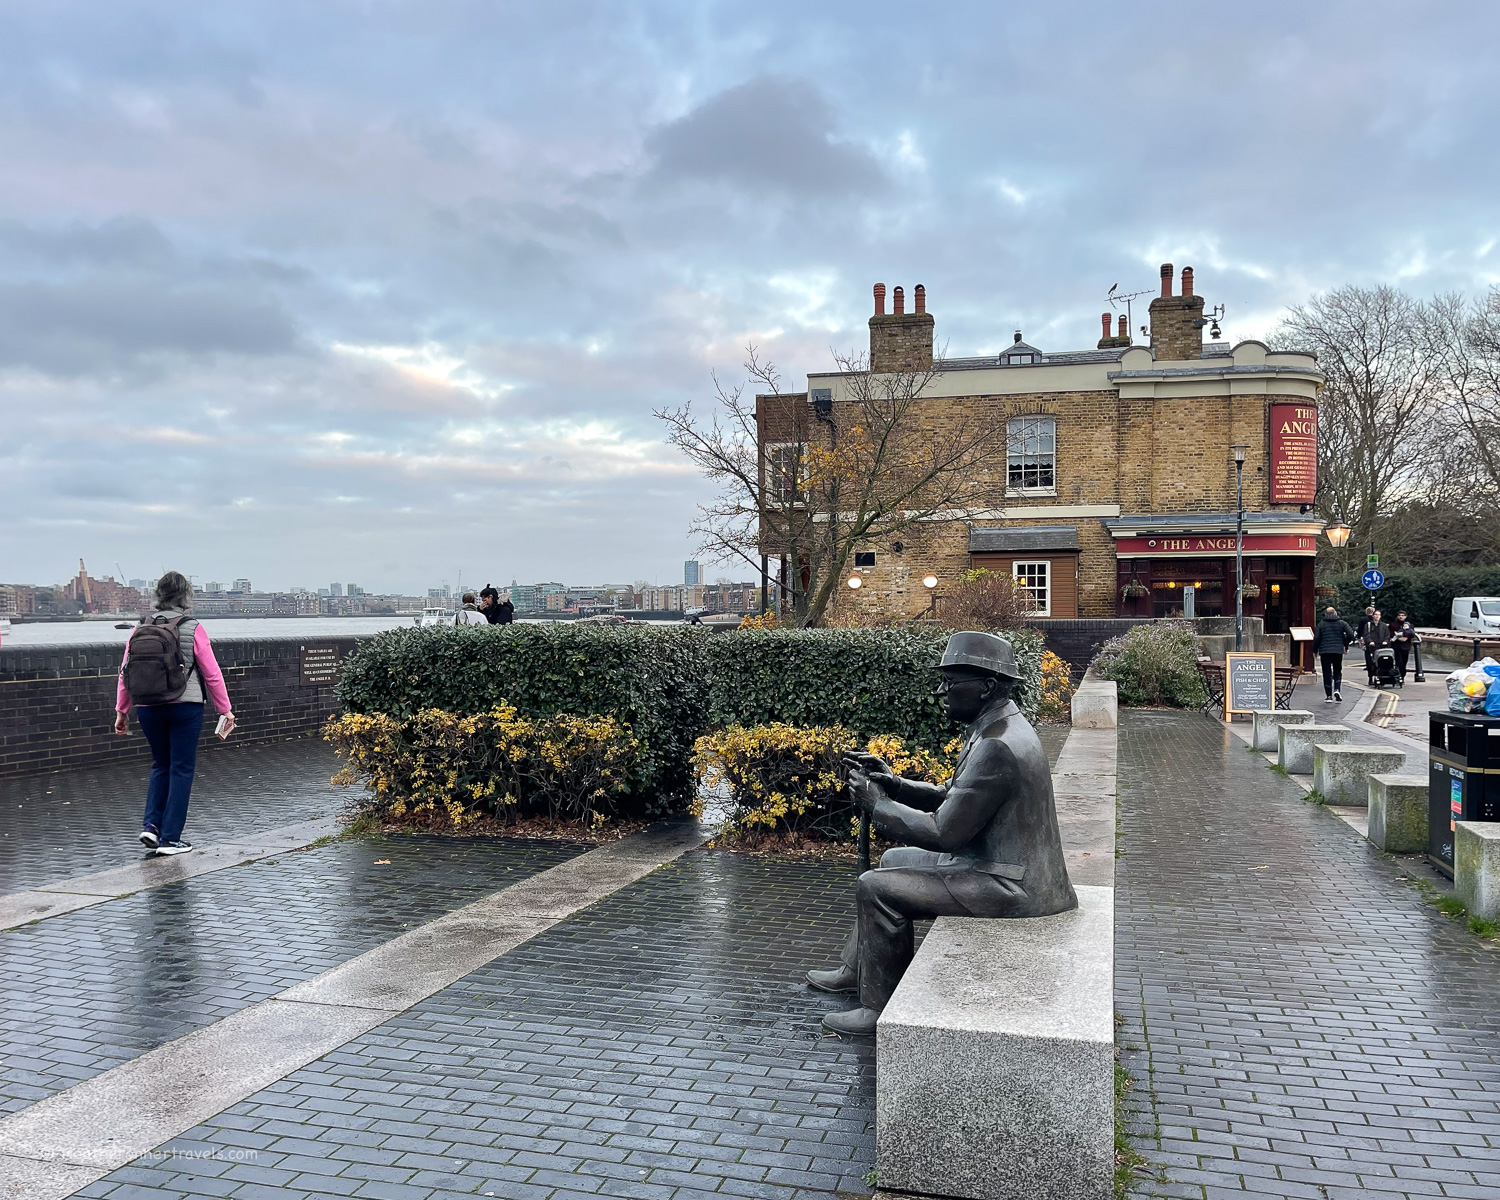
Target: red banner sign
x,y
1212,545
1294,454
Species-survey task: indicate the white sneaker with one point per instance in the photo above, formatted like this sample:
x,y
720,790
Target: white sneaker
x,y
1338,696
149,839
175,848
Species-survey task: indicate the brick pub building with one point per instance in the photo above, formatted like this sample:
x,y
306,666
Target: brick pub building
x,y
1119,485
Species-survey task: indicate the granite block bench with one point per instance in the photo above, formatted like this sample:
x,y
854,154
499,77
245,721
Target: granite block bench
x,y
1341,773
1265,722
1096,704
1398,813
1294,746
995,1074
1476,867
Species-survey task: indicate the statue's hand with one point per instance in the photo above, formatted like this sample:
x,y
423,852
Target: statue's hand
x,y
870,764
865,789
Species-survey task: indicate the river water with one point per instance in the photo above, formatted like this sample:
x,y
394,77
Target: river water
x,y
75,633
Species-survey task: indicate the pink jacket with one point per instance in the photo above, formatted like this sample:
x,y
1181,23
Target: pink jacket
x,y
208,667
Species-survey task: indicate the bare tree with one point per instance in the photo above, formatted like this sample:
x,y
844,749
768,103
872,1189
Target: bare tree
x,y
816,486
1376,412
1465,342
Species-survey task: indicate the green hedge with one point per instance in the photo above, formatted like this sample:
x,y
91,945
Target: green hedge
x,y
1426,593
653,679
871,681
672,684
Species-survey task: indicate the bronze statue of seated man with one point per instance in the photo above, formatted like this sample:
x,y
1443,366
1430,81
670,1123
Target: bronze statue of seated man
x,y
986,844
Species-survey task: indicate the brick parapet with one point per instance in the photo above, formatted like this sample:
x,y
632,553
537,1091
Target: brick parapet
x,y
57,702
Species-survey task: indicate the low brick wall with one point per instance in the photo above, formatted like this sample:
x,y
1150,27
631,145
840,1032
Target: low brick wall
x,y
57,702
1077,640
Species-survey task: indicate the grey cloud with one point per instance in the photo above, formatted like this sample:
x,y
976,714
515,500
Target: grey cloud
x,y
773,131
102,325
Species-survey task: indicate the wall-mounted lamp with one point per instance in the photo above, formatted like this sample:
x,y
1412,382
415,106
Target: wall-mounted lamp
x,y
855,582
929,582
1338,535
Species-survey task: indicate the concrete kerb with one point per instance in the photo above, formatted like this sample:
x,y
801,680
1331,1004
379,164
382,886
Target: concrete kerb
x,y
1295,745
967,1060
1096,703
70,1139
1341,773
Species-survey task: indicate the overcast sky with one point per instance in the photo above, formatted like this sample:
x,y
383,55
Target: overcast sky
x,y
377,292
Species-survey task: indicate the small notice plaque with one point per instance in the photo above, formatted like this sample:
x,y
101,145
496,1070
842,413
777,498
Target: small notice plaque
x,y
1302,633
320,665
1249,682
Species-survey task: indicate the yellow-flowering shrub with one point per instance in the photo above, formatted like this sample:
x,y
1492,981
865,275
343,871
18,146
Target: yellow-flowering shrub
x,y
765,620
1057,688
791,778
442,766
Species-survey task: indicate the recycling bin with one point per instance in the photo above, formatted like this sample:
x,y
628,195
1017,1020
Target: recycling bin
x,y
1463,778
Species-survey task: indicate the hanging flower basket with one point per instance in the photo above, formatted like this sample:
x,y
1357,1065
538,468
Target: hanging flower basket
x,y
1134,590
1250,591
1325,591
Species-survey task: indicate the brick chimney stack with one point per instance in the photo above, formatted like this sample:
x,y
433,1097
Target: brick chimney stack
x,y
1177,321
901,340
1113,342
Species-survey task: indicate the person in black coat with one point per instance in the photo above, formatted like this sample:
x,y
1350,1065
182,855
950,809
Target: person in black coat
x,y
489,604
1403,634
1377,634
1331,638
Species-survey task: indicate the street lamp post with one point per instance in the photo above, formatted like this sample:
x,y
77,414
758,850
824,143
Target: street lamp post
x,y
1239,546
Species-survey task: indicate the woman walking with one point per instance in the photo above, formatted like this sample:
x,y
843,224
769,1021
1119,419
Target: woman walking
x,y
167,667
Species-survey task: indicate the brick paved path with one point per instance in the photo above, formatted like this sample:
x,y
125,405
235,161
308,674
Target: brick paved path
x,y
82,992
70,823
659,1044
1304,1025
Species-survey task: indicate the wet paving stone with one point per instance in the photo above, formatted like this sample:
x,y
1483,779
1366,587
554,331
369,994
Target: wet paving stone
x,y
85,991
1298,1022
660,1044
53,827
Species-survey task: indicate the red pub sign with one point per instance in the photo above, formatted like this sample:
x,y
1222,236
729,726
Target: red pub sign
x,y
1294,453
1210,545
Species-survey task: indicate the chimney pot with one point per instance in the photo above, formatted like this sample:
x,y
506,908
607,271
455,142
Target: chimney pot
x,y
1104,320
919,298
1166,279
880,299
898,301
1124,330
1187,281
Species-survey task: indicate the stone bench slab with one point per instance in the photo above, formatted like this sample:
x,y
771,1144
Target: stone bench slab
x,y
995,1059
1476,866
1294,747
1398,813
1341,773
1265,722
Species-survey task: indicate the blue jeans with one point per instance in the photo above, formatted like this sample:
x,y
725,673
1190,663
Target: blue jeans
x,y
172,731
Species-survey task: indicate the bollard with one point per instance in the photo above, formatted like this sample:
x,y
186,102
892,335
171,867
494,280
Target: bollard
x,y
1418,676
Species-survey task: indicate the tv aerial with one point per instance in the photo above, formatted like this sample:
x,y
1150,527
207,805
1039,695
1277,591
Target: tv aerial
x,y
1117,298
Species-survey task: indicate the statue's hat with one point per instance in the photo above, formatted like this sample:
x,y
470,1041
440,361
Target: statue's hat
x,y
983,651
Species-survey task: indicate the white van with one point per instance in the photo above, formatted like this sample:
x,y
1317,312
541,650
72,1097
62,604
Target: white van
x,y
1476,614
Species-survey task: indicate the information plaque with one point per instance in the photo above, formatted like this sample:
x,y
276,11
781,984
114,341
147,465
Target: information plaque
x,y
1249,682
320,665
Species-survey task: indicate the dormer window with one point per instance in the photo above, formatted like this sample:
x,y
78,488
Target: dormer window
x,y
1020,353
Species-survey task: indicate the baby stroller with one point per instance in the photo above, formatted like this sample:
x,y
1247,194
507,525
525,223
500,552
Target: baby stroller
x,y
1385,668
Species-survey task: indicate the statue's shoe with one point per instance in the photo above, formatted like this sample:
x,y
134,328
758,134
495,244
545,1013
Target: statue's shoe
x,y
857,1022
839,979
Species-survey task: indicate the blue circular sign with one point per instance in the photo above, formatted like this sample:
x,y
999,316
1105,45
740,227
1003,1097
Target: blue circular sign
x,y
1372,580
